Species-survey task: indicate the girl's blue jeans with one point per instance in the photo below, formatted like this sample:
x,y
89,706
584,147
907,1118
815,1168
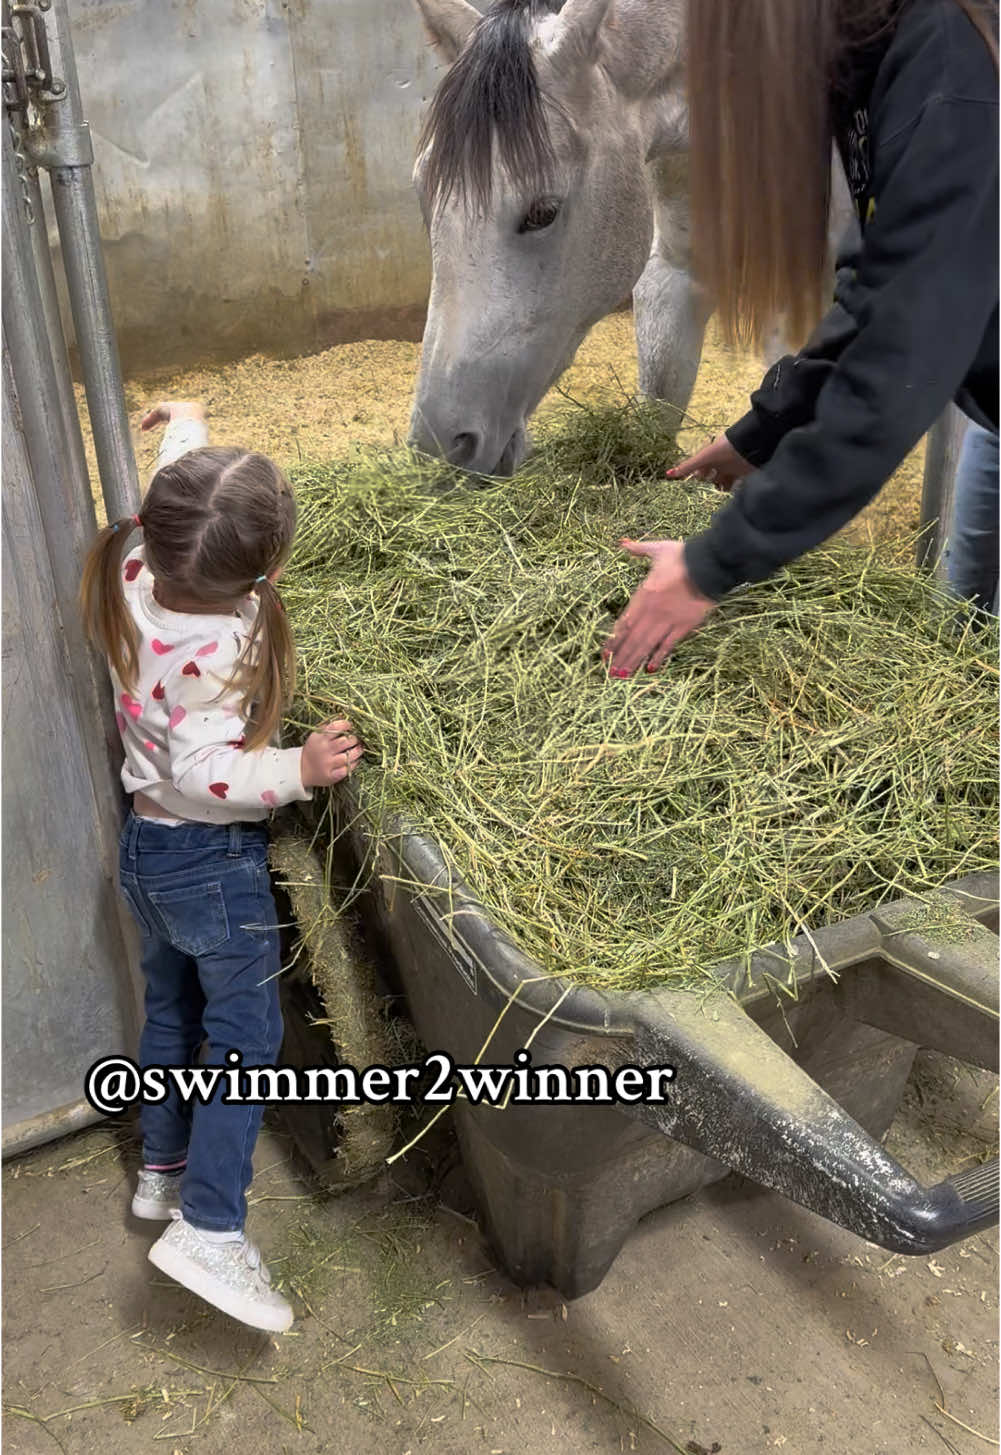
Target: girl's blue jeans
x,y
201,896
972,557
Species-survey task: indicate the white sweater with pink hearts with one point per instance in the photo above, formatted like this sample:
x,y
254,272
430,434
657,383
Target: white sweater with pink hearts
x,y
182,729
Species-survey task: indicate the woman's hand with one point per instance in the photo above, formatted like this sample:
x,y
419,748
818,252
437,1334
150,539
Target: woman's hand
x,y
717,462
664,609
170,410
330,755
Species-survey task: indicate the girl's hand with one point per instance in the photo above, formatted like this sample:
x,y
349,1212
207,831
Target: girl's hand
x,y
330,755
717,462
170,410
664,608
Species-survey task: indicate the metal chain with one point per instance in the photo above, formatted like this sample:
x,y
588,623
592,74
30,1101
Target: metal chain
x,y
23,167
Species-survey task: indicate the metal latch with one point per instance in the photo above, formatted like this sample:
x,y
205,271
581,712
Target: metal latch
x,y
40,138
27,64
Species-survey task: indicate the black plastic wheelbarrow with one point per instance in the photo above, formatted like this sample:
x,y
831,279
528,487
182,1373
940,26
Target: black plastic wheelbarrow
x,y
790,1081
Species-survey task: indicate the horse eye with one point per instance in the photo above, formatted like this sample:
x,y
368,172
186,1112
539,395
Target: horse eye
x,y
542,214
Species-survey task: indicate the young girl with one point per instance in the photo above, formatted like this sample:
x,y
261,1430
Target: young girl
x,y
201,661
908,89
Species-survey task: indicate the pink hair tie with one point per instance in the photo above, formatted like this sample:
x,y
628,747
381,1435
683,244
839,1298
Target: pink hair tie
x,y
137,521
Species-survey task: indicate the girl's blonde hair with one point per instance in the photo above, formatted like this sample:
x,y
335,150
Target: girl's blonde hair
x,y
214,522
760,80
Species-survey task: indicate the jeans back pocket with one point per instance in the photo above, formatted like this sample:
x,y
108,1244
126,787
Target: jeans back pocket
x,y
194,918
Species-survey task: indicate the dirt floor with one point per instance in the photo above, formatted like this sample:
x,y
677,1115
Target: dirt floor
x,y
732,1322
325,405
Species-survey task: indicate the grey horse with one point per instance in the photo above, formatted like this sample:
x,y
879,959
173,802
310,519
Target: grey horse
x,y
552,178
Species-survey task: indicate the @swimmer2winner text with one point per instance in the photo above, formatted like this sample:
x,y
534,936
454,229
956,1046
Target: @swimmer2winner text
x,y
117,1082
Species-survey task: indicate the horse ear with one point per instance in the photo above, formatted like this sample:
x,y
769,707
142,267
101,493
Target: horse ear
x,y
575,35
448,24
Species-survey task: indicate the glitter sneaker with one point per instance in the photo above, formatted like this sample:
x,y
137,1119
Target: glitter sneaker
x,y
231,1276
157,1195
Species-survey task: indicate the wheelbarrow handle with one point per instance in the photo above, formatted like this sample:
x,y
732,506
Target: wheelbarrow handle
x,y
738,1098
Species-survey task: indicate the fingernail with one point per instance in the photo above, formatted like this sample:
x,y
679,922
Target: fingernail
x,y
649,668
619,672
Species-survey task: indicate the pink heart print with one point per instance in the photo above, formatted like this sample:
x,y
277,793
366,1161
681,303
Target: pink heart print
x,y
132,707
177,717
132,570
150,747
207,650
270,797
161,648
219,789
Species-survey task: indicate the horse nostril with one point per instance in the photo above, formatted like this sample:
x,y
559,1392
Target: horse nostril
x,y
464,448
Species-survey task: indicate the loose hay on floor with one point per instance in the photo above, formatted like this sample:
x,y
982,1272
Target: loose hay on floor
x,y
827,740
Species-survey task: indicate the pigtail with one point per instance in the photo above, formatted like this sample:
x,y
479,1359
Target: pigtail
x,y
107,621
267,677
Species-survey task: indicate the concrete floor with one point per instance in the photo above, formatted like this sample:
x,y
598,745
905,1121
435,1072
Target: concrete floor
x,y
733,1322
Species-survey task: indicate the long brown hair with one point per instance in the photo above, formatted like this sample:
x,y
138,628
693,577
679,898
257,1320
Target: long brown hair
x,y
214,522
760,76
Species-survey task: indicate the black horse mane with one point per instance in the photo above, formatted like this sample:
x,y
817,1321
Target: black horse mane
x,y
492,91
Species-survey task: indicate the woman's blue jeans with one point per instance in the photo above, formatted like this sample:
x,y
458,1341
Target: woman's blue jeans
x,y
972,555
201,896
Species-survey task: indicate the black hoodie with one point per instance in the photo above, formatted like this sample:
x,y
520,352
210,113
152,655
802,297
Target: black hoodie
x,y
915,319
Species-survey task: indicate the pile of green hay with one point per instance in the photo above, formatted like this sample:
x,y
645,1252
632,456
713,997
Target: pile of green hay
x,y
827,740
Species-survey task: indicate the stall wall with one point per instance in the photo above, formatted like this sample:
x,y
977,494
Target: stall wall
x,y
69,987
253,162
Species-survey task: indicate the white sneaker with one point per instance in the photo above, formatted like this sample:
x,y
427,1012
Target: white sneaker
x,y
231,1276
157,1195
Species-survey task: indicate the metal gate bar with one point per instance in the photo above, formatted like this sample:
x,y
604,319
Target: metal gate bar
x,y
945,441
57,138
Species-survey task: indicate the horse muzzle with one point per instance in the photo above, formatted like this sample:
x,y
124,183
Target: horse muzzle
x,y
480,451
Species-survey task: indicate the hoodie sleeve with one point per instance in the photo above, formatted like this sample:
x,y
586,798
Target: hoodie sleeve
x,y
206,728
925,291
787,396
180,436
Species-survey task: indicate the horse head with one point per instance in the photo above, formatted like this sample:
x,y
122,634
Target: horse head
x,y
532,182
